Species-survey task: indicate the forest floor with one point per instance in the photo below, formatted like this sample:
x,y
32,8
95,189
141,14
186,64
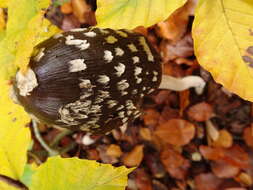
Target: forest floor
x,y
183,140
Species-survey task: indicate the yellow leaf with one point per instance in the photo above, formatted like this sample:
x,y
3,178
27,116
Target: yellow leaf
x,y
223,43
78,174
3,3
38,29
15,137
21,30
2,20
5,186
132,13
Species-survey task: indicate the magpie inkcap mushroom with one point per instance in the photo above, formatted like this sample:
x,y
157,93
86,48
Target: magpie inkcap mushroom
x,y
89,79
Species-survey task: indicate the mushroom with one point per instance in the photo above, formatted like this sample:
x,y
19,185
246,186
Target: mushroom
x,y
93,79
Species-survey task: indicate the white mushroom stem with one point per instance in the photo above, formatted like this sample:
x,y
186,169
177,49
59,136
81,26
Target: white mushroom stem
x,y
180,84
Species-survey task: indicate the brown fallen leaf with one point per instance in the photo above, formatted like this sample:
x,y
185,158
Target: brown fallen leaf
x,y
224,140
175,164
176,131
134,158
151,117
234,155
142,180
114,150
223,169
248,135
183,48
83,12
200,112
145,134
66,8
245,179
175,26
207,181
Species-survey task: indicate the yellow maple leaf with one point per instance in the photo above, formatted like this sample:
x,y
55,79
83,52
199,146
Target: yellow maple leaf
x,y
129,14
15,137
223,43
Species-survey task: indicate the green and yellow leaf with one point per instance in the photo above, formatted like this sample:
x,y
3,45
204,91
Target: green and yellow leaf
x,y
15,137
25,28
129,14
77,174
223,43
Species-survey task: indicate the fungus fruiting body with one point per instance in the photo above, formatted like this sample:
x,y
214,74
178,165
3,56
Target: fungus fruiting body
x,y
89,79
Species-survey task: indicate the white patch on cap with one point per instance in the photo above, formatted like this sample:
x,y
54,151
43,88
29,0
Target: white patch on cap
x,y
154,79
142,95
135,91
111,39
56,36
122,85
90,34
119,51
123,93
137,71
124,120
155,73
130,105
121,33
136,59
26,82
78,29
104,94
39,55
82,44
103,79
144,88
95,109
121,114
146,48
138,80
120,68
85,83
132,47
77,65
111,103
108,56
151,90
104,31
129,112
120,108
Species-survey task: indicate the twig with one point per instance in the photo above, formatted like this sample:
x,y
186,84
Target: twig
x,y
50,151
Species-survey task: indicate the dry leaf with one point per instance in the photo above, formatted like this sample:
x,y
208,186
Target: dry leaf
x,y
207,181
151,117
176,165
234,155
200,112
134,157
176,131
223,169
66,8
114,150
145,134
142,180
224,140
248,136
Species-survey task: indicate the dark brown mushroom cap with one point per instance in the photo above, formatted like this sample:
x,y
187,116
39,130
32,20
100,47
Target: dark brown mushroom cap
x,y
91,79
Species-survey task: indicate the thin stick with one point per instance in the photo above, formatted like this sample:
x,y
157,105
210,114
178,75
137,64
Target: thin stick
x,y
50,151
